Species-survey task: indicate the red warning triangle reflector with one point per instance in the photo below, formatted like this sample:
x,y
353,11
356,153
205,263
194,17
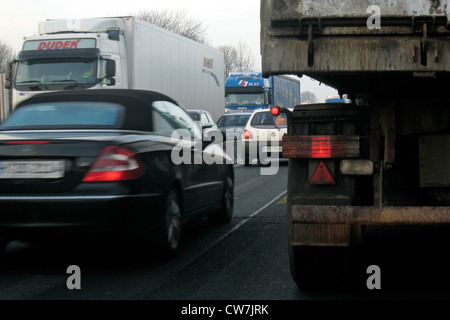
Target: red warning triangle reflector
x,y
322,175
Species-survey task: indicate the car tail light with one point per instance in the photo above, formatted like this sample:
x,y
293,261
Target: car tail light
x,y
320,147
247,135
115,164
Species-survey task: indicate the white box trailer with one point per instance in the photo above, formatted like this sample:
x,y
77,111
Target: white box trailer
x,y
121,52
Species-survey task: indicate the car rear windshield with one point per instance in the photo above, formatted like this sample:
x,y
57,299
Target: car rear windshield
x,y
194,115
267,120
234,121
63,115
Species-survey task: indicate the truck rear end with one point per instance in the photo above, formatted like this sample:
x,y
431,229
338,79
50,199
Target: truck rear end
x,y
381,160
285,91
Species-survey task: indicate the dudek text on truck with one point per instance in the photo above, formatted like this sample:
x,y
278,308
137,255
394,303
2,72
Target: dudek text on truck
x,y
114,53
382,160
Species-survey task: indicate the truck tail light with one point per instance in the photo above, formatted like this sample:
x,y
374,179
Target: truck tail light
x,y
115,164
247,135
320,147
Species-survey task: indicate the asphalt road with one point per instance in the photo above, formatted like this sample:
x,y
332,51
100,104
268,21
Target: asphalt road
x,y
244,260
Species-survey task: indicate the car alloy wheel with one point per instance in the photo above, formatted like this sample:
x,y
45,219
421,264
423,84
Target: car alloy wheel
x,y
228,200
225,214
172,224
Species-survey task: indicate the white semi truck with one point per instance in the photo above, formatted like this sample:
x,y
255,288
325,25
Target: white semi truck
x,y
118,52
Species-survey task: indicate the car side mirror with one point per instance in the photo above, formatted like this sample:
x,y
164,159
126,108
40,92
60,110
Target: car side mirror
x,y
110,68
268,97
207,126
9,74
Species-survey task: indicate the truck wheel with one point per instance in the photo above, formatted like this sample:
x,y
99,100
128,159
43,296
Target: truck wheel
x,y
314,268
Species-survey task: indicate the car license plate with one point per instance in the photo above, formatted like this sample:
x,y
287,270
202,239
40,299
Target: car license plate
x,y
31,169
271,149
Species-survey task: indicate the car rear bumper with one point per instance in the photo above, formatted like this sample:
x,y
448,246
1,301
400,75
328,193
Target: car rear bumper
x,y
24,216
262,149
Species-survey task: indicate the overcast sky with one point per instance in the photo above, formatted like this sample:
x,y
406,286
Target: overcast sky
x,y
227,22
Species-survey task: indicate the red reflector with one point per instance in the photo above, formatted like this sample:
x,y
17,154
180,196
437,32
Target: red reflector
x,y
106,176
27,142
322,175
275,111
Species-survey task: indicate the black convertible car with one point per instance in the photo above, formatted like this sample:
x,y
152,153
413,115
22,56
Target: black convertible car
x,y
102,160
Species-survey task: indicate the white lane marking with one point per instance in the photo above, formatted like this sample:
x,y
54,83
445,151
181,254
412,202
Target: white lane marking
x,y
243,221
237,226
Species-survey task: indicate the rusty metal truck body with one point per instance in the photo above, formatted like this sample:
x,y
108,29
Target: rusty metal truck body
x,y
384,159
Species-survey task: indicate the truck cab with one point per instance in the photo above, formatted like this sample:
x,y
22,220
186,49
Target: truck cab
x,y
247,91
70,55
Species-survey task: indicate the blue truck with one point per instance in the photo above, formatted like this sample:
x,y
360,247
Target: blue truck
x,y
249,91
338,99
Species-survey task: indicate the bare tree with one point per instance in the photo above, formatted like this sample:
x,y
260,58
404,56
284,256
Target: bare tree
x,y
176,21
237,58
244,57
7,54
308,97
229,57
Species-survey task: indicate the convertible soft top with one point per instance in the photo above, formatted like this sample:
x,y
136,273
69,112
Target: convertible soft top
x,y
136,102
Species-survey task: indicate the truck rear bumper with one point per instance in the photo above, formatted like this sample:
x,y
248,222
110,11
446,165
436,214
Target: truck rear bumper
x,y
342,225
370,215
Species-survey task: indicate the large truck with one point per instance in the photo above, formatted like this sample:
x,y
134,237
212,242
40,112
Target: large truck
x,y
118,52
250,91
382,160
337,99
